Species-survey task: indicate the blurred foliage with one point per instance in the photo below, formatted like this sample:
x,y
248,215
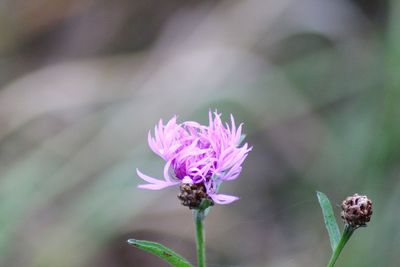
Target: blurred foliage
x,y
316,83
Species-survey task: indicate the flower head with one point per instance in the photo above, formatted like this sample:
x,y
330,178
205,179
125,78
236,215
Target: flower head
x,y
356,210
197,154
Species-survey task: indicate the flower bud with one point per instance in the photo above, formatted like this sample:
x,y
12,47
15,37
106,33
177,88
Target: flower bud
x,y
356,210
192,195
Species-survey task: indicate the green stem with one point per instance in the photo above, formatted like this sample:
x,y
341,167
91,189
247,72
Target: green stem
x,y
201,250
348,231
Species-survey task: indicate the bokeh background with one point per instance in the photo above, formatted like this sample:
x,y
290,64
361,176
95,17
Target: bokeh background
x,y
317,83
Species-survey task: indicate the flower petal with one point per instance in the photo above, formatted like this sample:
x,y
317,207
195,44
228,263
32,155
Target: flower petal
x,y
223,199
166,172
147,178
155,186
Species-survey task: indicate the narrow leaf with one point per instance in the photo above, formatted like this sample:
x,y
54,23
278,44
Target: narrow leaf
x,y
329,219
161,251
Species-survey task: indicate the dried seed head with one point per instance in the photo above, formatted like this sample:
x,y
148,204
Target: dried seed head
x,y
356,210
192,195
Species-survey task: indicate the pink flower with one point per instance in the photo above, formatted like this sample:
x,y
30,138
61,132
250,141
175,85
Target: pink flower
x,y
196,153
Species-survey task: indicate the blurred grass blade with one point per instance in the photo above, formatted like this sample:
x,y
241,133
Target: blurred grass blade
x,y
329,219
161,251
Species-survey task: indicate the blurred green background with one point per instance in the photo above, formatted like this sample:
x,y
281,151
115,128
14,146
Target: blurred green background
x,y
317,83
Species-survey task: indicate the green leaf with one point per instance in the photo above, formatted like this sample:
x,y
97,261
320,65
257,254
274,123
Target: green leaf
x,y
329,219
161,251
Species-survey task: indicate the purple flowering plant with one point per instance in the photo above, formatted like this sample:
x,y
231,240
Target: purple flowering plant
x,y
198,158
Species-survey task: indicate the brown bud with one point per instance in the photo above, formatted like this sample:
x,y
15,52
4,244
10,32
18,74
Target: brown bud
x,y
356,210
192,195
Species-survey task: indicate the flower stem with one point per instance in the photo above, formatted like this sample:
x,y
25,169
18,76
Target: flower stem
x,y
200,240
348,231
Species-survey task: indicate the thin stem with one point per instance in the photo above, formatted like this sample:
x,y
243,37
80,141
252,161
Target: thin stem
x,y
200,240
348,231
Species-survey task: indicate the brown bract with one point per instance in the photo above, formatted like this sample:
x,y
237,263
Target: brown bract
x,y
192,195
356,210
